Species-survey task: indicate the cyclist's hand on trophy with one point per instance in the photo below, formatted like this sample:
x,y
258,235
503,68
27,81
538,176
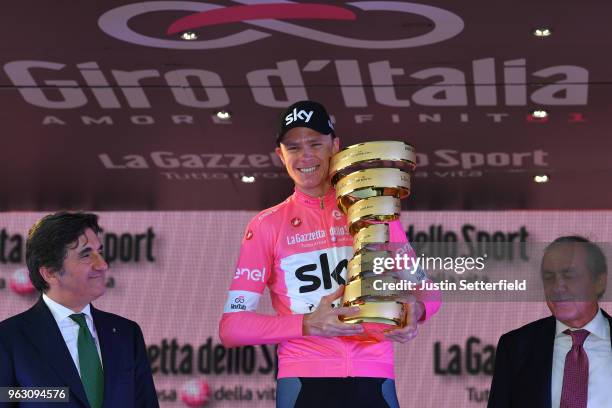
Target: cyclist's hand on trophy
x,y
325,322
409,330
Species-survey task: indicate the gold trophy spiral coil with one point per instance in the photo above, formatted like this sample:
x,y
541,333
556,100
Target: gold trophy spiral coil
x,y
370,180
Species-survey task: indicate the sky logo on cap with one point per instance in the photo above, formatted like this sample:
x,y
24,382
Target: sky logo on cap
x,y
295,115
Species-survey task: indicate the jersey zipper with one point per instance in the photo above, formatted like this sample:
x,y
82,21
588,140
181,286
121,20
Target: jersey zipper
x,y
347,370
347,360
344,345
324,217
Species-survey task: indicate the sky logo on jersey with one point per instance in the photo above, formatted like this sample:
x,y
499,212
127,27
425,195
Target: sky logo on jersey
x,y
312,274
323,276
255,275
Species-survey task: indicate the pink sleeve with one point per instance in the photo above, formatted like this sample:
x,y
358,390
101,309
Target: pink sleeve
x,y
250,328
240,325
432,299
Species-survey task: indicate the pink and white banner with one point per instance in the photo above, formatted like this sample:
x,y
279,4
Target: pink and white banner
x,y
170,272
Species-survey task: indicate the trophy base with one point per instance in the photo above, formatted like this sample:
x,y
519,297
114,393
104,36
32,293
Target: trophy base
x,y
388,312
376,318
379,320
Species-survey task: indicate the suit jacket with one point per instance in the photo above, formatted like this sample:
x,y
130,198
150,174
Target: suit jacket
x,y
523,366
33,354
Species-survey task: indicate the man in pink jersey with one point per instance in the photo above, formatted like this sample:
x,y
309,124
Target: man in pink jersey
x,y
300,249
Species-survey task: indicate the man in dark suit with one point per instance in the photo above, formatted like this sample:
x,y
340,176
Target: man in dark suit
x,y
63,341
564,360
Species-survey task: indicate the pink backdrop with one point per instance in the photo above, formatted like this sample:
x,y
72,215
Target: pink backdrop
x,y
180,295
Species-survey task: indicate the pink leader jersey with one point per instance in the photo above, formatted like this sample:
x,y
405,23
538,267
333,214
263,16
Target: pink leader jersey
x,y
300,249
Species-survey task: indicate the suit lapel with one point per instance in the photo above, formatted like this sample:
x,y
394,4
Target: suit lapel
x,y
110,348
544,344
47,338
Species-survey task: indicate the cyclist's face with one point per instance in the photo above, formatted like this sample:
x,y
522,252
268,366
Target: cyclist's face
x,y
306,154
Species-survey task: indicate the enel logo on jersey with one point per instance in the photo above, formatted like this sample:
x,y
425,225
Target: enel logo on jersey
x,y
251,274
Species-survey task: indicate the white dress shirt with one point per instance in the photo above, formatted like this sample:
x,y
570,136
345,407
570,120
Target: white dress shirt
x,y
599,351
70,329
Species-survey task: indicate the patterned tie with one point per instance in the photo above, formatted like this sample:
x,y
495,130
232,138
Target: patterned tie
x,y
576,373
89,363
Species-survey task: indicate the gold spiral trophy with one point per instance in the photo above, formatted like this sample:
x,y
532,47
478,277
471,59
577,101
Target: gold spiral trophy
x,y
370,180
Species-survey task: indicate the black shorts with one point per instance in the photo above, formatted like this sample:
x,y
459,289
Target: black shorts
x,y
353,392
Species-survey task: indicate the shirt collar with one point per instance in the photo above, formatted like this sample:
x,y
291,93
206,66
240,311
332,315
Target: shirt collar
x,y
329,199
598,326
61,312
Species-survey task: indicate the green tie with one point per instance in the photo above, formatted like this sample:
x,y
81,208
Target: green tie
x,y
89,363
